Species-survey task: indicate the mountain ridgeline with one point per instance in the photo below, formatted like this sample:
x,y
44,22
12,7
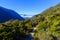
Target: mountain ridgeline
x,y
7,14
47,25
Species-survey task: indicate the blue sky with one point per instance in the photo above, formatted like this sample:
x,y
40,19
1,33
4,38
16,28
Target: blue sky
x,y
29,7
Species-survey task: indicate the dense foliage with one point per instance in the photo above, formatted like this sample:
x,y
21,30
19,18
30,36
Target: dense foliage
x,y
48,27
15,30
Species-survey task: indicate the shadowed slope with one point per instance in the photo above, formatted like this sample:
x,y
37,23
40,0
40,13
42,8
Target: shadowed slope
x,y
7,14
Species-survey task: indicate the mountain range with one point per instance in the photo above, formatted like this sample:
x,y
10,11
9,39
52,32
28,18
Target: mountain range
x,y
7,14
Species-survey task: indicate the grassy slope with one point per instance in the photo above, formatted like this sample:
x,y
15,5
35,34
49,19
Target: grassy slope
x,y
48,24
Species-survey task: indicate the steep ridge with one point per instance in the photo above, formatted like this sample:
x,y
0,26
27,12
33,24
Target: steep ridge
x,y
48,24
7,14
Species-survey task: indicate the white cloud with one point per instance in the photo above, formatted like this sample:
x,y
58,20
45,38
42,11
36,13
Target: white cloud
x,y
26,16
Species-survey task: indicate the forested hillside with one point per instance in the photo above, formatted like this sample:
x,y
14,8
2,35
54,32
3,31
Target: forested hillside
x,y
47,26
15,30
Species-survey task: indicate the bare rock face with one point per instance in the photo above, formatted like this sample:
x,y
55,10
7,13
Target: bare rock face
x,y
7,14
